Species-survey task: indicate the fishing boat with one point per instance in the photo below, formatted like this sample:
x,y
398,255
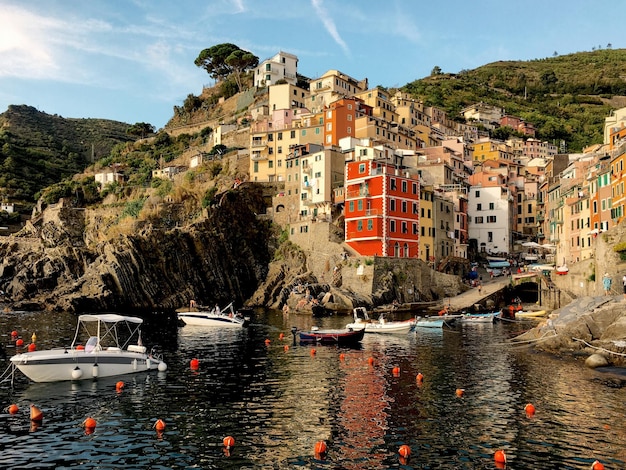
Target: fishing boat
x,y
345,337
226,317
429,322
476,318
108,352
382,325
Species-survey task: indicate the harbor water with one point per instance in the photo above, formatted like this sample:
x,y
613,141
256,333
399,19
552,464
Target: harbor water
x,y
278,399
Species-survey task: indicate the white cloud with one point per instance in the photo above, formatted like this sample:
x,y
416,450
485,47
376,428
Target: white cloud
x,y
329,24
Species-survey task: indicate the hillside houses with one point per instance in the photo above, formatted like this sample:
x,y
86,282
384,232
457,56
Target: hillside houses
x,y
407,180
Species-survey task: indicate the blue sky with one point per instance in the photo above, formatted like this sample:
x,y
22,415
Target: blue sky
x,y
132,60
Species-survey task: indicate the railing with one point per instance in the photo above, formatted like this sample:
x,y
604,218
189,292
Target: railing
x,y
258,143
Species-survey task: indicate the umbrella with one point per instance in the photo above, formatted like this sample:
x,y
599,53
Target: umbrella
x,y
531,244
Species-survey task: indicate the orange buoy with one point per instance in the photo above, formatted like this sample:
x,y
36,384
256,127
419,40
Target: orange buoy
x,y
499,456
597,465
370,361
89,423
119,386
460,392
320,448
313,352
281,336
159,425
286,347
267,341
35,414
342,357
14,333
419,377
13,409
396,371
404,451
194,364
32,347
80,347
19,342
229,442
529,409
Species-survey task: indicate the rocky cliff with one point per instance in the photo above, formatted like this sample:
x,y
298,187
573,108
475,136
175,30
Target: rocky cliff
x,y
55,264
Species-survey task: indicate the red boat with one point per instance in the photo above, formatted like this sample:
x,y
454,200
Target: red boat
x,y
345,337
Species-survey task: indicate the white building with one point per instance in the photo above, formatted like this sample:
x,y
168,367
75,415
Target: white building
x,y
283,66
490,212
107,177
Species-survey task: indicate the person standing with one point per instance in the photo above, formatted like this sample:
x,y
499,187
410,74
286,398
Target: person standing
x,y
606,283
624,283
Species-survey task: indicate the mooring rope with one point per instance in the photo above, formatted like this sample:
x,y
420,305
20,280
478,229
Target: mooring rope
x,y
599,348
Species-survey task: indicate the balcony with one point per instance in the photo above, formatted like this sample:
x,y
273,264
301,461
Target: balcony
x,y
358,193
256,143
258,156
308,169
540,236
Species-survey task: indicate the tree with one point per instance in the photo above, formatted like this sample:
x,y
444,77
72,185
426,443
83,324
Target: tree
x,y
435,71
240,61
222,60
140,129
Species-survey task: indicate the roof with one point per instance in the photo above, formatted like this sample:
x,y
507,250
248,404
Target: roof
x,y
109,318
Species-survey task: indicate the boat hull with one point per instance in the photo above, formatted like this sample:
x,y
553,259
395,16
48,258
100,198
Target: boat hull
x,y
438,323
531,314
393,327
338,337
211,319
64,365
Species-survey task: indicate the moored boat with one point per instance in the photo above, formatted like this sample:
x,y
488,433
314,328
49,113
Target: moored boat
x,y
345,337
428,322
382,325
476,318
108,352
226,317
531,314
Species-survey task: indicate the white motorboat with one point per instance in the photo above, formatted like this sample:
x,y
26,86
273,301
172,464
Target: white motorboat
x,y
362,321
107,352
203,316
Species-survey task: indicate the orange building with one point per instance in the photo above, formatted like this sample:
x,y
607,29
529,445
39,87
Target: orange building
x,y
381,209
340,119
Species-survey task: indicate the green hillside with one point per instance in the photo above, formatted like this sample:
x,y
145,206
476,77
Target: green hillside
x,y
39,149
565,97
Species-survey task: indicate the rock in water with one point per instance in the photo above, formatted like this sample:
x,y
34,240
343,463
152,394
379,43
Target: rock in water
x,y
596,360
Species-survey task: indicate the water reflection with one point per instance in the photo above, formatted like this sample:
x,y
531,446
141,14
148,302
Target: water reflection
x,y
278,403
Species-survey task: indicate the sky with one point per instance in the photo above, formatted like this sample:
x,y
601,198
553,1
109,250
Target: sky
x,y
133,60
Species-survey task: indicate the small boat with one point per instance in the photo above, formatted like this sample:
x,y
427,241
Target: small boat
x,y
475,318
347,337
530,314
428,322
363,321
203,316
105,354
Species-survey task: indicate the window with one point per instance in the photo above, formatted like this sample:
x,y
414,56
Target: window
x,y
351,206
270,164
491,219
405,228
280,149
415,228
405,186
492,206
362,168
279,136
370,224
477,193
292,134
359,226
415,207
360,204
392,205
392,226
478,220
392,183
404,206
489,236
479,207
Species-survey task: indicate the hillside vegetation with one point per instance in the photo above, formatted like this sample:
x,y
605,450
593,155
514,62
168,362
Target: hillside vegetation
x,y
39,149
566,97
